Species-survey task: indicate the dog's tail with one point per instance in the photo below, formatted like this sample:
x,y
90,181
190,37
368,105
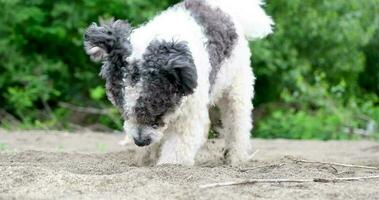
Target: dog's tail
x,y
250,15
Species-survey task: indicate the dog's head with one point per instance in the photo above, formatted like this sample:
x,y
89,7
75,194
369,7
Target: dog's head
x,y
148,89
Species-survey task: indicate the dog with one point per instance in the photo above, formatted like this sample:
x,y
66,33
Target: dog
x,y
164,76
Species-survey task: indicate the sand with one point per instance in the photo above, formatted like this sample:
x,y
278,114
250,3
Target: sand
x,y
57,165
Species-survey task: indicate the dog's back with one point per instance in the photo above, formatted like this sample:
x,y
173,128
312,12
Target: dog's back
x,y
217,24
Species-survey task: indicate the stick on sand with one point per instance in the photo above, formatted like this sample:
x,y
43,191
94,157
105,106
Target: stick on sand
x,y
331,163
315,180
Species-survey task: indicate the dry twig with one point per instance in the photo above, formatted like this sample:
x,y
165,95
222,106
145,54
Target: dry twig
x,y
95,111
331,163
314,180
263,166
253,154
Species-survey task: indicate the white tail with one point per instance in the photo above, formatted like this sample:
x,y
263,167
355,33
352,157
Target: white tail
x,y
250,15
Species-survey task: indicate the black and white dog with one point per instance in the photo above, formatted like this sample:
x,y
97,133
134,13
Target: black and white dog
x,y
164,76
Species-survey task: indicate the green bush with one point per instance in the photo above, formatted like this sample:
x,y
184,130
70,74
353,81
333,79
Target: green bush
x,y
315,36
317,74
369,78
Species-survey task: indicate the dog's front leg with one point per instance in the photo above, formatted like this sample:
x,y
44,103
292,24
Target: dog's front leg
x,y
179,150
181,147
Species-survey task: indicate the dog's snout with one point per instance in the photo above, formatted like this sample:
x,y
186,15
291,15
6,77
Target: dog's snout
x,y
142,141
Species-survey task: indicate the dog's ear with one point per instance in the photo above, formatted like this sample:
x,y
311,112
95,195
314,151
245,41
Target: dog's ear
x,y
180,69
110,36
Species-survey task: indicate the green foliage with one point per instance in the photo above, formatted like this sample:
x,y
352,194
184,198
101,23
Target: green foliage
x,y
369,78
317,75
97,93
318,72
299,125
316,36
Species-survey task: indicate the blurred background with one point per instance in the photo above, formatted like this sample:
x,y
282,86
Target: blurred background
x,y
317,75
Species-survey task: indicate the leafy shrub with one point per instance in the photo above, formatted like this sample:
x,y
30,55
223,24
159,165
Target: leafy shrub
x,y
314,37
369,78
317,73
317,112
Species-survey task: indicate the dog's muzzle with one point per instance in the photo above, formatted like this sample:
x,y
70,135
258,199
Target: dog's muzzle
x,y
142,140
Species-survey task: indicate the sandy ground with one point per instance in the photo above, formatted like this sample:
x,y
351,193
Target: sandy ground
x,y
56,165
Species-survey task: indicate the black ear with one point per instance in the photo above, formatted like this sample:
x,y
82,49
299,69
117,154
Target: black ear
x,y
180,68
174,61
100,41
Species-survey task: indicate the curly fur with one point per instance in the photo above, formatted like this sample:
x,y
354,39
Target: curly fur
x,y
220,32
168,74
108,43
165,74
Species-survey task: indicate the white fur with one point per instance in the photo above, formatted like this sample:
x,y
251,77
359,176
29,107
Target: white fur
x,y
255,23
131,96
188,126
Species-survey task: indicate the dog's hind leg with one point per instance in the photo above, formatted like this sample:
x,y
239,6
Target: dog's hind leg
x,y
236,116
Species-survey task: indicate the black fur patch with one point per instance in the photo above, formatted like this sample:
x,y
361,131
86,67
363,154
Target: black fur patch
x,y
112,38
220,31
168,73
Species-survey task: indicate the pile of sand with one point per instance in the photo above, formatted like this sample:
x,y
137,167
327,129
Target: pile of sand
x,y
55,165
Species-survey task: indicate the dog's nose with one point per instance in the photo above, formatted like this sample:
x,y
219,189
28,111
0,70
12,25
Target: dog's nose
x,y
142,141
